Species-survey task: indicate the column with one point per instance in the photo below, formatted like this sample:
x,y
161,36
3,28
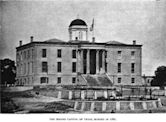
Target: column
x,y
59,94
144,105
117,105
159,102
131,104
95,95
154,104
70,95
75,105
86,35
81,61
83,106
87,61
97,61
82,95
92,106
78,61
104,106
103,61
105,94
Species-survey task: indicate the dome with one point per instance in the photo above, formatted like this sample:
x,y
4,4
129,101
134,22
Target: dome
x,y
77,22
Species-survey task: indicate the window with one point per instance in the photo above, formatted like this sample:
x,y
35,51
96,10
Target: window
x,y
17,57
24,68
24,55
74,67
119,53
59,80
44,53
59,53
28,54
132,53
119,80
44,67
148,81
32,67
59,67
44,80
73,53
132,80
73,80
119,67
28,67
32,53
21,68
132,67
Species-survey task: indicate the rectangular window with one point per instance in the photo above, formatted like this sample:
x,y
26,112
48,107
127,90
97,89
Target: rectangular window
x,y
73,53
24,68
59,67
119,80
119,53
28,67
17,57
132,80
74,67
32,53
119,67
73,80
44,53
24,54
44,67
132,53
32,67
44,80
28,54
59,53
59,80
132,67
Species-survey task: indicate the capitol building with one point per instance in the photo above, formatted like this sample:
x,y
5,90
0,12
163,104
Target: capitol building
x,y
78,61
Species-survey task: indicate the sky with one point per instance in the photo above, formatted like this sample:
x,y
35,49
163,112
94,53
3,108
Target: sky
x,y
119,20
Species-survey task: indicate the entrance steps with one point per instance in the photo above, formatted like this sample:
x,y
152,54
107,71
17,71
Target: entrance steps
x,y
97,80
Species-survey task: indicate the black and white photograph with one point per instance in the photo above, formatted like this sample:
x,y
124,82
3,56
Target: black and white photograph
x,y
83,57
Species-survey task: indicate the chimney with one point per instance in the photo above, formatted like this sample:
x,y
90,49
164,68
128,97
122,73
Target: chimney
x,y
20,43
93,39
134,42
31,38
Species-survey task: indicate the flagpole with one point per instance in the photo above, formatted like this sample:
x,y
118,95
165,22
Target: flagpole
x,y
93,33
93,28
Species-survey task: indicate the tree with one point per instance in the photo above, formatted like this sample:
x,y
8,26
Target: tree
x,y
8,71
160,77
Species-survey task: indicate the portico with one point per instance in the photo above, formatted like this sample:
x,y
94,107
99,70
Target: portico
x,y
91,61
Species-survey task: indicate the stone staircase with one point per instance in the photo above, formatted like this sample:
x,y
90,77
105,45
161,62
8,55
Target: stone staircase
x,y
98,80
